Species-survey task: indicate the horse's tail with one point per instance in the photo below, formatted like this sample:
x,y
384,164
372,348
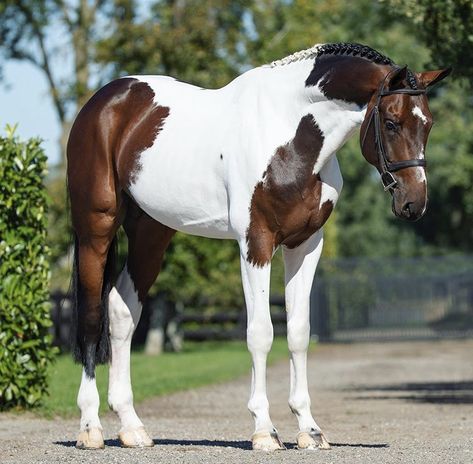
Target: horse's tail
x,y
90,334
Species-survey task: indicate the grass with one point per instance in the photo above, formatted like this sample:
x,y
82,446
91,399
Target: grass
x,y
197,365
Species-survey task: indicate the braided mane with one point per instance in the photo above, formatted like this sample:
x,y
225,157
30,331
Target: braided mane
x,y
343,49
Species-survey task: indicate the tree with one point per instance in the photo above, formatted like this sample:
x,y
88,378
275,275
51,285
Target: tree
x,y
446,28
29,30
449,224
195,41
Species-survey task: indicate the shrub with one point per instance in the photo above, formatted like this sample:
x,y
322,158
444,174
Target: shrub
x,y
25,345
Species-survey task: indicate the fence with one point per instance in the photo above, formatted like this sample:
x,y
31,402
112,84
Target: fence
x,y
352,299
364,299
173,321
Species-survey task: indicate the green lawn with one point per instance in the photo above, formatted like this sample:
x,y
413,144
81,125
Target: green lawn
x,y
198,364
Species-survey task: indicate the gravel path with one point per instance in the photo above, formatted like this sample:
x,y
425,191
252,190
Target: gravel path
x,y
409,402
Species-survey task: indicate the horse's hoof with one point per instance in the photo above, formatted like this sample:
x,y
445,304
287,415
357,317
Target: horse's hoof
x,y
267,441
90,439
312,441
135,438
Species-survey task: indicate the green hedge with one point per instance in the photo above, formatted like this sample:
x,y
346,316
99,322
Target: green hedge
x,y
25,345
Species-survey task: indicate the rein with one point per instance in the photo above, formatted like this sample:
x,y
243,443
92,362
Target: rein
x,y
388,167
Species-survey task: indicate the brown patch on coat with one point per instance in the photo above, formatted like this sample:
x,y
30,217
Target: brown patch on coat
x,y
120,121
148,240
285,207
349,78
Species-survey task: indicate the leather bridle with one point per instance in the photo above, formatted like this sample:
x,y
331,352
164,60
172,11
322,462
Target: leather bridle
x,y
388,167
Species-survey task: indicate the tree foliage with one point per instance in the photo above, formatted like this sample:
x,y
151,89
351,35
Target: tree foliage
x,y
446,27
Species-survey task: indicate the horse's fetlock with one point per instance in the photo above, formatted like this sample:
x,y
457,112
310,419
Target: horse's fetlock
x,y
258,403
299,404
119,402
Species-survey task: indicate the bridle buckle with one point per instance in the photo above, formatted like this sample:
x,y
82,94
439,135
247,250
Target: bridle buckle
x,y
388,180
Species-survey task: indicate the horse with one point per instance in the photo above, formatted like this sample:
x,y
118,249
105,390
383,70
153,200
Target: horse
x,y
253,161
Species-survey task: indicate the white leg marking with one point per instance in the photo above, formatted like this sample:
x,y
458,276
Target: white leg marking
x,y
88,401
416,111
124,311
259,338
90,433
300,264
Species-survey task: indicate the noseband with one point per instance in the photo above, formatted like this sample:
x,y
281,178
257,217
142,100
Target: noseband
x,y
388,167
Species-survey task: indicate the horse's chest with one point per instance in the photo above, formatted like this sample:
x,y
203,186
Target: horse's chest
x,y
288,205
301,219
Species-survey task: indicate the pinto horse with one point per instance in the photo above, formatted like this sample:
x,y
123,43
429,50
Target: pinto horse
x,y
254,161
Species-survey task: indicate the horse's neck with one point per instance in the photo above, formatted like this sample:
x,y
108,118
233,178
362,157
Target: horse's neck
x,y
340,90
281,93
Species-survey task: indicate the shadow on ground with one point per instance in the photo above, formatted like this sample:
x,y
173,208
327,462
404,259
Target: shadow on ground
x,y
419,392
243,445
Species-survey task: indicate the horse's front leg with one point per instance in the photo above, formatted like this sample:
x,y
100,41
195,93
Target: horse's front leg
x,y
259,338
300,264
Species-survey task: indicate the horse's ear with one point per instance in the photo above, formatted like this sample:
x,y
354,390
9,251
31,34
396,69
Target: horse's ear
x,y
429,78
398,78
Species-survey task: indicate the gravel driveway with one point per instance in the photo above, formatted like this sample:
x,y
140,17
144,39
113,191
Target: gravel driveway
x,y
409,402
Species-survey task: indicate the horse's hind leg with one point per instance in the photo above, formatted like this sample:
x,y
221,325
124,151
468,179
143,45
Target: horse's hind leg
x,y
93,275
147,241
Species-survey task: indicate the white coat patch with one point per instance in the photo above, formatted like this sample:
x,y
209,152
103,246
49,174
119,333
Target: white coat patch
x,y
416,111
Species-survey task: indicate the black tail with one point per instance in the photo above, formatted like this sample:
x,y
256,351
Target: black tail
x,y
88,350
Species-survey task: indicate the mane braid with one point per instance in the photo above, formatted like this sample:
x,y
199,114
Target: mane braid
x,y
354,49
345,49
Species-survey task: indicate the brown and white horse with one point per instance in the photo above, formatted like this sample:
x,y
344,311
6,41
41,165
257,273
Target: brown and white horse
x,y
254,161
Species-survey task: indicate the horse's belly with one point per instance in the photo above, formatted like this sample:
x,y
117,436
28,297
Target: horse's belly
x,y
190,217
184,193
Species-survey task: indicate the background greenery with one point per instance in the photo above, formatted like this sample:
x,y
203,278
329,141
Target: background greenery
x,y
25,346
198,364
209,42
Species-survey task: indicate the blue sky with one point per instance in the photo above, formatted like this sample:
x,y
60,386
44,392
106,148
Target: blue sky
x,y
24,99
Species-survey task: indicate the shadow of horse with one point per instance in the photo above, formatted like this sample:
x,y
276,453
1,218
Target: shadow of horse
x,y
244,445
460,392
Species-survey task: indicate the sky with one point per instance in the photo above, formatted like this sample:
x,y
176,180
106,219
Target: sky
x,y
24,99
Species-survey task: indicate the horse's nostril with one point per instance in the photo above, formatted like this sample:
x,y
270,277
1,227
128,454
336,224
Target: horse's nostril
x,y
406,209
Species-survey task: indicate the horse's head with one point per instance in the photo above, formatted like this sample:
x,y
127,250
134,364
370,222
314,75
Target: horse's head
x,y
394,135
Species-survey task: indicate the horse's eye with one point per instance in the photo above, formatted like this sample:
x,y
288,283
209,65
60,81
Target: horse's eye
x,y
391,126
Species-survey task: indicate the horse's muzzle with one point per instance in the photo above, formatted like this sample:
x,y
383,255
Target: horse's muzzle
x,y
409,209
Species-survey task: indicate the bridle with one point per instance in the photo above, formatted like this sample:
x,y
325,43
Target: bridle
x,y
388,167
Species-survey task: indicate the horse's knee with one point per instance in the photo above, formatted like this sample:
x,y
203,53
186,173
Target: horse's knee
x,y
259,336
298,334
